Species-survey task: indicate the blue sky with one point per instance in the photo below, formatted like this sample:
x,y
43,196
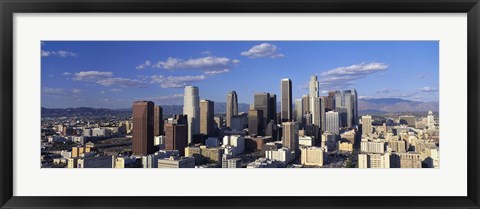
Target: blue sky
x,y
113,74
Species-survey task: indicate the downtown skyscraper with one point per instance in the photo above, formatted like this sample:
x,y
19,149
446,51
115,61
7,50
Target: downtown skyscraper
x,y
232,107
367,125
347,100
286,104
313,86
332,122
290,136
191,108
206,117
142,142
266,103
298,110
317,104
158,121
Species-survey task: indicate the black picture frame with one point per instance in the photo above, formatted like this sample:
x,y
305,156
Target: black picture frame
x,y
10,7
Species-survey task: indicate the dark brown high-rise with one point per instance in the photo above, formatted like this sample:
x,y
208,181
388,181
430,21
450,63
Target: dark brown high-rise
x,y
330,101
143,122
176,137
158,121
286,104
255,121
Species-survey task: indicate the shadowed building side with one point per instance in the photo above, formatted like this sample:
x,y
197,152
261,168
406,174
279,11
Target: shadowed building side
x,y
286,104
158,121
232,107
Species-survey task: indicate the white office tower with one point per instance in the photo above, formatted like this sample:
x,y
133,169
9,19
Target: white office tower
x,y
367,125
191,108
332,122
430,120
315,101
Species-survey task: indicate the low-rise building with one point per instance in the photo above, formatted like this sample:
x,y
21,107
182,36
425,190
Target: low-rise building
x,y
372,147
405,160
265,163
345,146
96,162
349,136
235,141
371,160
397,146
328,138
72,162
177,162
312,156
229,162
283,155
306,141
124,162
255,143
77,151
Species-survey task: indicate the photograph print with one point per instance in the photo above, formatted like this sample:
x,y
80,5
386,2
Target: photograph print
x,y
240,104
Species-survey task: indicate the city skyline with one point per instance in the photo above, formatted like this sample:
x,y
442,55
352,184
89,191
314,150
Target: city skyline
x,y
323,129
71,77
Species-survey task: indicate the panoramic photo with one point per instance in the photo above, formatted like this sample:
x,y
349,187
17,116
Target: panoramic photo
x,y
240,104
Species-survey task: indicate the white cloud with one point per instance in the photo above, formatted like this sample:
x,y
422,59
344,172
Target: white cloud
x,y
122,82
60,92
343,77
202,63
428,89
144,65
91,75
53,91
66,74
215,72
365,97
386,91
176,81
303,87
59,53
263,50
357,69
423,77
116,90
76,91
206,52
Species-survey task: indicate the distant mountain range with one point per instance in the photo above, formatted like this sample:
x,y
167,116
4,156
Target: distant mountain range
x,y
395,105
382,105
